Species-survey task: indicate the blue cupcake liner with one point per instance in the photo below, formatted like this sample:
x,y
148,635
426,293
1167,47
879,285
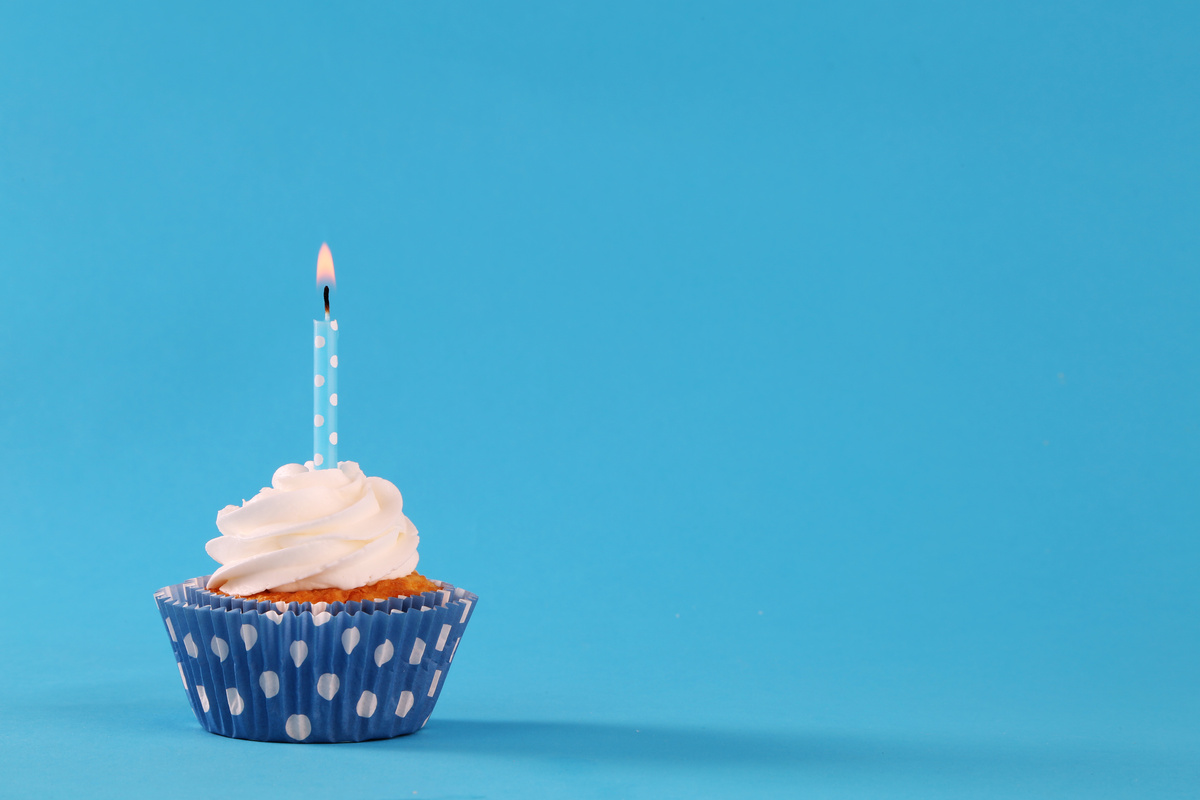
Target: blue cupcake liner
x,y
305,672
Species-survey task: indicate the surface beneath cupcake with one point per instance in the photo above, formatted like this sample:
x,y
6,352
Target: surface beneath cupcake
x,y
413,583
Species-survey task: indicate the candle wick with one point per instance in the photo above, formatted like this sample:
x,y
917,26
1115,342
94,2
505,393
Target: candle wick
x,y
326,302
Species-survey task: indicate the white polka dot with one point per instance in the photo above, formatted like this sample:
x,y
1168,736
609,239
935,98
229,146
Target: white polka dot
x,y
171,629
426,722
350,638
366,704
298,727
333,399
269,681
333,324
406,703
280,606
327,685
274,616
418,650
321,617
236,704
437,675
220,647
203,695
318,459
319,341
466,610
190,645
318,380
454,649
299,651
333,361
445,634
182,677
333,438
318,421
249,635
383,653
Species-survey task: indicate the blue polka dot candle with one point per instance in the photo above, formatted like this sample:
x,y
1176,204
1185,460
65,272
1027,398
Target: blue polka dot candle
x,y
325,365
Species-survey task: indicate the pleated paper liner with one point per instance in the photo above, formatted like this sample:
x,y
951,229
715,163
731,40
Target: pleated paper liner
x,y
304,672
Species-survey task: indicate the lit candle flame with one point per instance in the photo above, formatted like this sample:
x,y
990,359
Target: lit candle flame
x,y
325,276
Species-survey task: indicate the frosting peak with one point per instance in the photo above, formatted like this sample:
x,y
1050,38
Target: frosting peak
x,y
314,529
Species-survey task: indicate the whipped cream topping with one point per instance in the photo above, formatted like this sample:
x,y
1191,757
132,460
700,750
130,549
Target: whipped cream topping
x,y
314,529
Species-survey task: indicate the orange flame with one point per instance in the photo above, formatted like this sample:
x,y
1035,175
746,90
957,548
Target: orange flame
x,y
325,276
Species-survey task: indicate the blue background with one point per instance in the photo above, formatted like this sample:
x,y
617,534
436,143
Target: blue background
x,y
810,394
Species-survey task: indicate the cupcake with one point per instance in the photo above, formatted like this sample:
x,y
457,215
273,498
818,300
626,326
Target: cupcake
x,y
316,627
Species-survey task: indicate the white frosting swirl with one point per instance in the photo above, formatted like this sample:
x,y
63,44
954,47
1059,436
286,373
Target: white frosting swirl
x,y
314,529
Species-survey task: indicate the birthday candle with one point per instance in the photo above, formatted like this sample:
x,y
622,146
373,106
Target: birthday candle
x,y
325,363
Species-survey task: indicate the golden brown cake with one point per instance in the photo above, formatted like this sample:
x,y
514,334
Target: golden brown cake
x,y
413,583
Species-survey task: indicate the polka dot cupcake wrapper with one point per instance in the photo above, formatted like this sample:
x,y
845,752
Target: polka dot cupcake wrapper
x,y
313,672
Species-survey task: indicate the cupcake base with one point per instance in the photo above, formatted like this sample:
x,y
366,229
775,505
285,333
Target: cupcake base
x,y
313,672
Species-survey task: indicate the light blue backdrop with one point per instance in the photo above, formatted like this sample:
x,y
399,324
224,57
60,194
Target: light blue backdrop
x,y
810,393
